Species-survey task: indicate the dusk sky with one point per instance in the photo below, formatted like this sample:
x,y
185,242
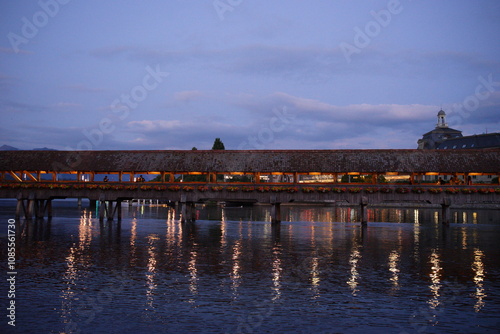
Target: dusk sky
x,y
294,74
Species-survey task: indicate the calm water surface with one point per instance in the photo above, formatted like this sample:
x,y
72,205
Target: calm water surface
x,y
232,272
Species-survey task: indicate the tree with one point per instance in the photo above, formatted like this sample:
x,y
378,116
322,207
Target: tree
x,y
218,144
194,148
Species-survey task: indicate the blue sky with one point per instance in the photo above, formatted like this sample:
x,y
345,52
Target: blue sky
x,y
258,74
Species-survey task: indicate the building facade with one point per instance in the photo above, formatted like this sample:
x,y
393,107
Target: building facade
x,y
432,139
445,138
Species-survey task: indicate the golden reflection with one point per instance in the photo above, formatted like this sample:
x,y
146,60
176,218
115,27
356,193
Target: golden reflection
x,y
235,270
416,241
76,257
416,216
463,232
133,238
478,268
277,270
151,272
249,230
352,215
435,277
353,262
436,217
399,215
193,273
85,230
173,235
315,276
223,235
393,268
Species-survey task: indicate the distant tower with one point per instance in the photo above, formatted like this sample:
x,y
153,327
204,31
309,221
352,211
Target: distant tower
x,y
432,139
441,119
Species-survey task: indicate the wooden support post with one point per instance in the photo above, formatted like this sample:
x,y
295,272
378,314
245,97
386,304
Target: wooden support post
x,y
20,208
102,209
118,209
275,210
183,209
276,213
188,210
109,210
49,208
191,212
445,211
363,212
40,208
31,206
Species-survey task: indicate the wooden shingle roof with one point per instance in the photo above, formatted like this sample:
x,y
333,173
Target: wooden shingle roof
x,y
302,161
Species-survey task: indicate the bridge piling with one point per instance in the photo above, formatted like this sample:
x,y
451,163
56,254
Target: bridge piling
x,y
188,210
20,208
275,210
118,209
363,212
41,206
31,206
445,211
49,208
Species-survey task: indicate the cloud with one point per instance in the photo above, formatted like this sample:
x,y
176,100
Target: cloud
x,y
153,126
307,109
66,105
308,64
188,95
11,51
15,107
79,88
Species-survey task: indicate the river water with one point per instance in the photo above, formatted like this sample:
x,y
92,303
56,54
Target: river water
x,y
320,271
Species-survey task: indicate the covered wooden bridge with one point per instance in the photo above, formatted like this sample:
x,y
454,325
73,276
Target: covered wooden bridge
x,y
273,176
314,166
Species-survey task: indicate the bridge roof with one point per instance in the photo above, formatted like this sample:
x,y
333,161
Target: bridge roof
x,y
302,161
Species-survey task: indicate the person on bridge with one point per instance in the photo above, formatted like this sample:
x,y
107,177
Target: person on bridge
x,y
106,179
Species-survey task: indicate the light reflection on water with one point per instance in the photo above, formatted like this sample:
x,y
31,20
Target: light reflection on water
x,y
478,268
435,277
232,275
